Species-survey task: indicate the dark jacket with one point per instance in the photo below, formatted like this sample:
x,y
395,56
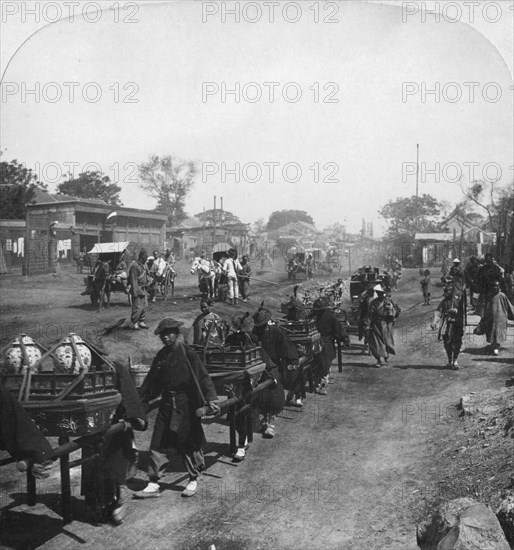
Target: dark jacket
x,y
177,426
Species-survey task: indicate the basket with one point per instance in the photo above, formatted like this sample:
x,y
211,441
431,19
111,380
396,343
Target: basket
x,y
303,328
73,418
230,358
47,386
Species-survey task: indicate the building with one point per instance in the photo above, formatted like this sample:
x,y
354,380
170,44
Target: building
x,y
76,224
191,236
12,241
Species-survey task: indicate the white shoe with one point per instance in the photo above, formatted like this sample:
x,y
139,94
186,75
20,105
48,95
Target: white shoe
x,y
240,455
150,491
496,352
298,402
191,489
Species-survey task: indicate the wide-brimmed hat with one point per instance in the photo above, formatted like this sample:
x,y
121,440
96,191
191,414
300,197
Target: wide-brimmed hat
x,y
456,261
261,316
168,324
243,322
378,288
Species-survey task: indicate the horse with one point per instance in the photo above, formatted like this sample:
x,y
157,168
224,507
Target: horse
x,y
101,284
206,275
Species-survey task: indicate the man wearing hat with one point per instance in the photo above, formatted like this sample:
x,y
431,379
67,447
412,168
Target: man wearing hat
x,y
449,317
380,322
180,378
456,276
326,323
365,301
139,281
284,356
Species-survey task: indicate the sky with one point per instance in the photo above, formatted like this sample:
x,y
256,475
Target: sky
x,y
339,145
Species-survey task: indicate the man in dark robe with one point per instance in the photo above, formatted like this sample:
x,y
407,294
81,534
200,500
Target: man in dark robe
x,y
365,301
244,278
498,310
284,357
380,322
487,275
327,326
180,378
208,327
449,317
456,277
139,281
20,436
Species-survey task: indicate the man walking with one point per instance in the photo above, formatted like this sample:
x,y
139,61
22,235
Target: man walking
x,y
232,267
498,310
178,375
449,317
139,280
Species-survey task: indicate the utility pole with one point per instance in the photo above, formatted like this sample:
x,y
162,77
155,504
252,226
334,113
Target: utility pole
x,y
214,223
417,169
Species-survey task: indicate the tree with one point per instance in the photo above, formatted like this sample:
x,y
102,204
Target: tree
x,y
408,215
259,226
17,189
91,185
222,216
498,203
336,231
168,180
279,218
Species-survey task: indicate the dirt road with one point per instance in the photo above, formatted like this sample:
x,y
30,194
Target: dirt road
x,y
350,471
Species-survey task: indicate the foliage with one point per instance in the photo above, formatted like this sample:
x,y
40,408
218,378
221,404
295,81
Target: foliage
x,y
279,218
221,217
91,185
411,214
259,226
17,189
168,180
336,231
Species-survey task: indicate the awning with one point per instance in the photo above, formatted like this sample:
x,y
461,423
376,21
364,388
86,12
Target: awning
x,y
106,248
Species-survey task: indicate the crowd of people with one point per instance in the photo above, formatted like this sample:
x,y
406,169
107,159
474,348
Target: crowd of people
x,y
179,377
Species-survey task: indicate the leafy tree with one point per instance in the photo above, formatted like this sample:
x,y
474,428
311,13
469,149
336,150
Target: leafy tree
x,y
221,217
279,218
17,189
259,226
408,215
168,180
91,185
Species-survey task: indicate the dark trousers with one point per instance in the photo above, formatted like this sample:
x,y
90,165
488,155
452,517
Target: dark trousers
x,y
194,463
139,307
452,347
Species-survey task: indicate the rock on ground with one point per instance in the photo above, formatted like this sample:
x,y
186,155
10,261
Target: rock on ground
x,y
505,515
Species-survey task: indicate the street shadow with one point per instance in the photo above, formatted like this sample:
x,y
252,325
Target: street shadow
x,y
500,360
477,351
24,531
91,307
420,367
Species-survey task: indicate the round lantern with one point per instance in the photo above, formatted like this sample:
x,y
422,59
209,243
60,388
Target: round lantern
x,y
66,359
15,355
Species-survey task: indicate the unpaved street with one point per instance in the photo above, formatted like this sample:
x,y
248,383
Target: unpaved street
x,y
351,471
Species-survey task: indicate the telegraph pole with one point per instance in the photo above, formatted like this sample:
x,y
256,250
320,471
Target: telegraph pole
x,y
417,169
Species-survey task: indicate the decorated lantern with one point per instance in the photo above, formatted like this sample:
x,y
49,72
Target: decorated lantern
x,y
67,355
14,354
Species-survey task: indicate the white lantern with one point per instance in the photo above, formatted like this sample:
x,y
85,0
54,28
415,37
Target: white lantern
x,y
15,355
66,358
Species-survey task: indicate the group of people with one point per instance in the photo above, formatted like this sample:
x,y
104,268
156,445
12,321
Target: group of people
x,y
226,280
145,279
178,375
377,316
487,286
